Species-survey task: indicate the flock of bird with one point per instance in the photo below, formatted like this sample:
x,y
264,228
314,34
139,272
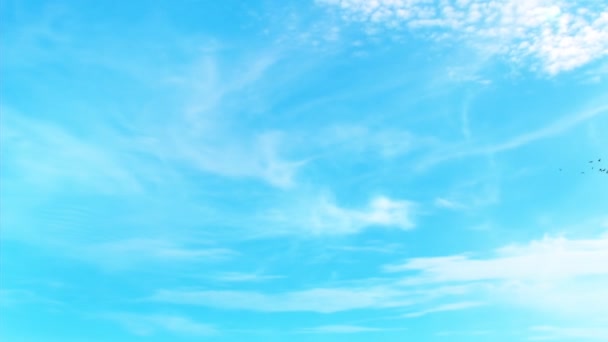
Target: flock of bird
x,y
605,169
594,168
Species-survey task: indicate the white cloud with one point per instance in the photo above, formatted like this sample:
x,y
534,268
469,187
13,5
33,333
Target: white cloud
x,y
321,215
150,324
560,35
341,329
444,308
48,156
359,139
321,300
239,277
10,297
547,259
255,157
125,254
552,129
561,333
328,218
447,204
555,275
208,133
465,333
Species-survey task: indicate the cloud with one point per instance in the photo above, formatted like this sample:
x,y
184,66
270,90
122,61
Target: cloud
x,y
126,254
558,35
444,308
554,274
387,143
550,130
320,300
447,204
340,329
239,277
150,324
11,297
465,333
546,259
211,133
48,156
561,333
329,218
322,216
243,157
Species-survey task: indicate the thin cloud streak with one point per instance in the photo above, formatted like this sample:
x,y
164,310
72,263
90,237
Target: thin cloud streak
x,y
553,129
152,324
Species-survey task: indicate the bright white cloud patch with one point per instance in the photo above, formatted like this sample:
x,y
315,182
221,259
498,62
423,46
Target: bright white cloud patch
x,y
560,35
547,259
329,218
552,274
322,215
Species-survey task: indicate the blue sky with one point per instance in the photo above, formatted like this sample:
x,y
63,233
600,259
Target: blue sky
x,y
329,170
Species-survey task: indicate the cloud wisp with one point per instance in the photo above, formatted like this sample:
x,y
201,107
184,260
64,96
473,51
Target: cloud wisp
x,y
555,275
319,300
322,216
133,253
152,324
550,130
340,329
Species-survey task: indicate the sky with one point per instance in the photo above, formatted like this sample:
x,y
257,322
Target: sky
x,y
312,170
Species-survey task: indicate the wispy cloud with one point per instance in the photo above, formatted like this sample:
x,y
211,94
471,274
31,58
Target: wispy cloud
x,y
553,274
444,308
126,254
329,218
447,204
50,157
210,134
570,333
321,300
150,324
321,215
465,333
550,130
558,35
340,329
13,297
257,157
361,139
241,277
